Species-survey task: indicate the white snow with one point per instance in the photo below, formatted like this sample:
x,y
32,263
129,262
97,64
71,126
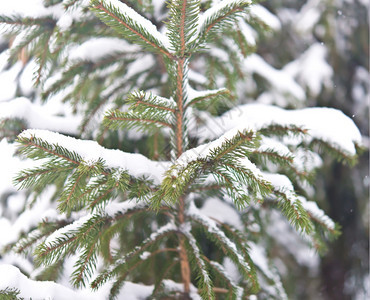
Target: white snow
x,y
272,144
205,150
145,255
4,57
193,94
197,77
8,82
261,13
10,163
12,277
311,69
259,257
306,160
140,65
211,225
136,164
170,285
327,124
30,217
37,9
30,8
308,16
217,209
282,184
317,213
37,116
26,82
249,33
216,7
129,13
280,80
97,48
286,236
231,269
251,167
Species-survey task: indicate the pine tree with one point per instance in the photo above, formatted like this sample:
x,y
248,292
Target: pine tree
x,y
121,214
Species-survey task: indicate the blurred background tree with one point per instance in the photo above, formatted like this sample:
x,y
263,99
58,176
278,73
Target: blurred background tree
x,y
342,28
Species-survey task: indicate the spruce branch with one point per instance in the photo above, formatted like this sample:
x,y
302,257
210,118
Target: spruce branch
x,y
84,265
121,265
141,101
130,25
42,176
35,236
10,293
87,176
217,18
207,98
159,279
293,210
334,151
147,120
182,24
18,22
176,182
199,264
209,158
241,242
283,130
239,145
69,240
120,281
236,175
215,234
233,288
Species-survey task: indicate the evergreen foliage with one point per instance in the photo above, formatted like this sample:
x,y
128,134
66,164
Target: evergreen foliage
x,y
10,294
121,214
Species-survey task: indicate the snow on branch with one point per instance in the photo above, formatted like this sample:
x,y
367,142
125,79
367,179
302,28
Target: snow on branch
x,y
131,25
291,206
228,151
149,100
261,13
182,24
126,262
261,261
231,141
81,228
35,116
204,279
321,123
220,238
95,49
238,291
195,97
280,80
219,15
311,69
318,214
136,164
11,277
